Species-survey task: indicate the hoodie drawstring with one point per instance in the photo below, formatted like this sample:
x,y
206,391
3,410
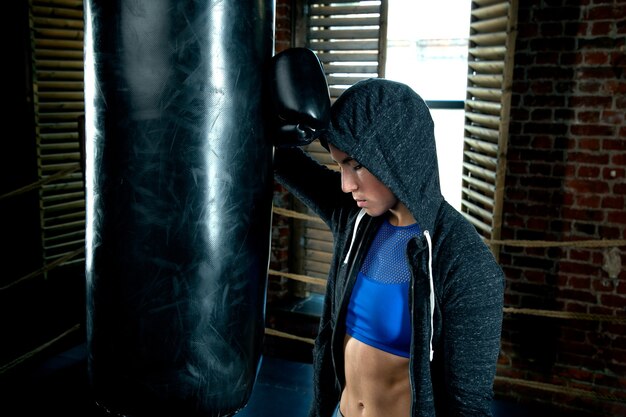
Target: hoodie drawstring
x,y
356,226
432,291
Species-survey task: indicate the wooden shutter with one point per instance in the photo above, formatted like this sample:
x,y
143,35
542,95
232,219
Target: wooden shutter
x,y
350,38
487,108
57,44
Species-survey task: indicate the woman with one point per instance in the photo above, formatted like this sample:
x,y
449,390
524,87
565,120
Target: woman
x,y
413,308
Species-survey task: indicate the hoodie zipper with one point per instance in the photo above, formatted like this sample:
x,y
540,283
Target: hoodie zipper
x,y
432,291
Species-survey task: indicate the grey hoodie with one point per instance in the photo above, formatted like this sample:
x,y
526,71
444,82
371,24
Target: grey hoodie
x,y
456,288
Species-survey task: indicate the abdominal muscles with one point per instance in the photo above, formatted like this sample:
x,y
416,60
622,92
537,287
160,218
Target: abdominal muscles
x,y
377,382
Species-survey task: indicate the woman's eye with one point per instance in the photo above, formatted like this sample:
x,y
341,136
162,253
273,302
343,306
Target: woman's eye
x,y
357,167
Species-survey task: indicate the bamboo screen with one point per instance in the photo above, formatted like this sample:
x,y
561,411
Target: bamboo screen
x,y
487,107
349,38
57,62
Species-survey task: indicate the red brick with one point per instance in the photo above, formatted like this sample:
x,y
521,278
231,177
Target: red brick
x,y
585,186
601,28
579,283
610,300
603,285
613,202
617,217
593,130
614,87
587,171
589,158
595,58
588,116
619,159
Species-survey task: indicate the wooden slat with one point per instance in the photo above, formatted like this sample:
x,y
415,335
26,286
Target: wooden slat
x,y
320,245
322,10
61,85
58,106
319,256
69,4
334,80
491,11
46,64
332,67
483,106
59,44
482,146
349,57
56,54
487,120
344,34
71,217
47,118
311,233
484,3
363,20
64,13
488,67
488,52
65,231
492,94
483,133
479,171
44,74
483,160
485,215
488,39
497,24
481,185
485,200
321,46
59,137
486,80
316,267
60,24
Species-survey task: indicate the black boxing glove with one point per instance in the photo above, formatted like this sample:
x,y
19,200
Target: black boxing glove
x,y
300,101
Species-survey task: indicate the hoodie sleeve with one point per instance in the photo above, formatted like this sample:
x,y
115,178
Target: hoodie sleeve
x,y
472,310
317,186
326,393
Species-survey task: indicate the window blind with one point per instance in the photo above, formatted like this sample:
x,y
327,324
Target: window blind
x,y
487,108
57,44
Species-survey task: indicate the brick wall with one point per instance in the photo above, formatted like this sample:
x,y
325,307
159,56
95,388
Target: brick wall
x,y
566,181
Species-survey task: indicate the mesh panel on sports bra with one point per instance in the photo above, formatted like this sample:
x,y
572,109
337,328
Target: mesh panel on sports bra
x,y
386,260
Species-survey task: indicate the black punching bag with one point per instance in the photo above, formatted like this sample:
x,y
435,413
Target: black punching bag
x,y
179,190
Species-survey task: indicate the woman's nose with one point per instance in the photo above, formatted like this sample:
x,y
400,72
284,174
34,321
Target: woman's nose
x,y
348,182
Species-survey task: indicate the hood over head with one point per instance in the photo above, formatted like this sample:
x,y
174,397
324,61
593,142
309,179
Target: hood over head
x,y
388,128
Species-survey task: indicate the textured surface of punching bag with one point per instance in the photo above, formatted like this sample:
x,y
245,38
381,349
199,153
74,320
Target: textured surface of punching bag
x,y
179,188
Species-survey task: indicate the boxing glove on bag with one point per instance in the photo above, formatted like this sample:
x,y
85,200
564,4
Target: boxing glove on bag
x,y
299,98
179,190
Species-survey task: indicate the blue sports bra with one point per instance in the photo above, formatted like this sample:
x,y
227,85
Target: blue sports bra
x,y
378,312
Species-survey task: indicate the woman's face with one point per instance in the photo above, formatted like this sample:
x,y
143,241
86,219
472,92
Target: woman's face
x,y
368,192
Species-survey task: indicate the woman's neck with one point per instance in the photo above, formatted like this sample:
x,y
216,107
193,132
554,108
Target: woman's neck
x,y
400,215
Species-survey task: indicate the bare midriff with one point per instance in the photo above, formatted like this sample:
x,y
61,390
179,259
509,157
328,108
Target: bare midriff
x,y
377,382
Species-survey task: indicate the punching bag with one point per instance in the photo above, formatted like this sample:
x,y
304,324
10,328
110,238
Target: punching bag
x,y
179,190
